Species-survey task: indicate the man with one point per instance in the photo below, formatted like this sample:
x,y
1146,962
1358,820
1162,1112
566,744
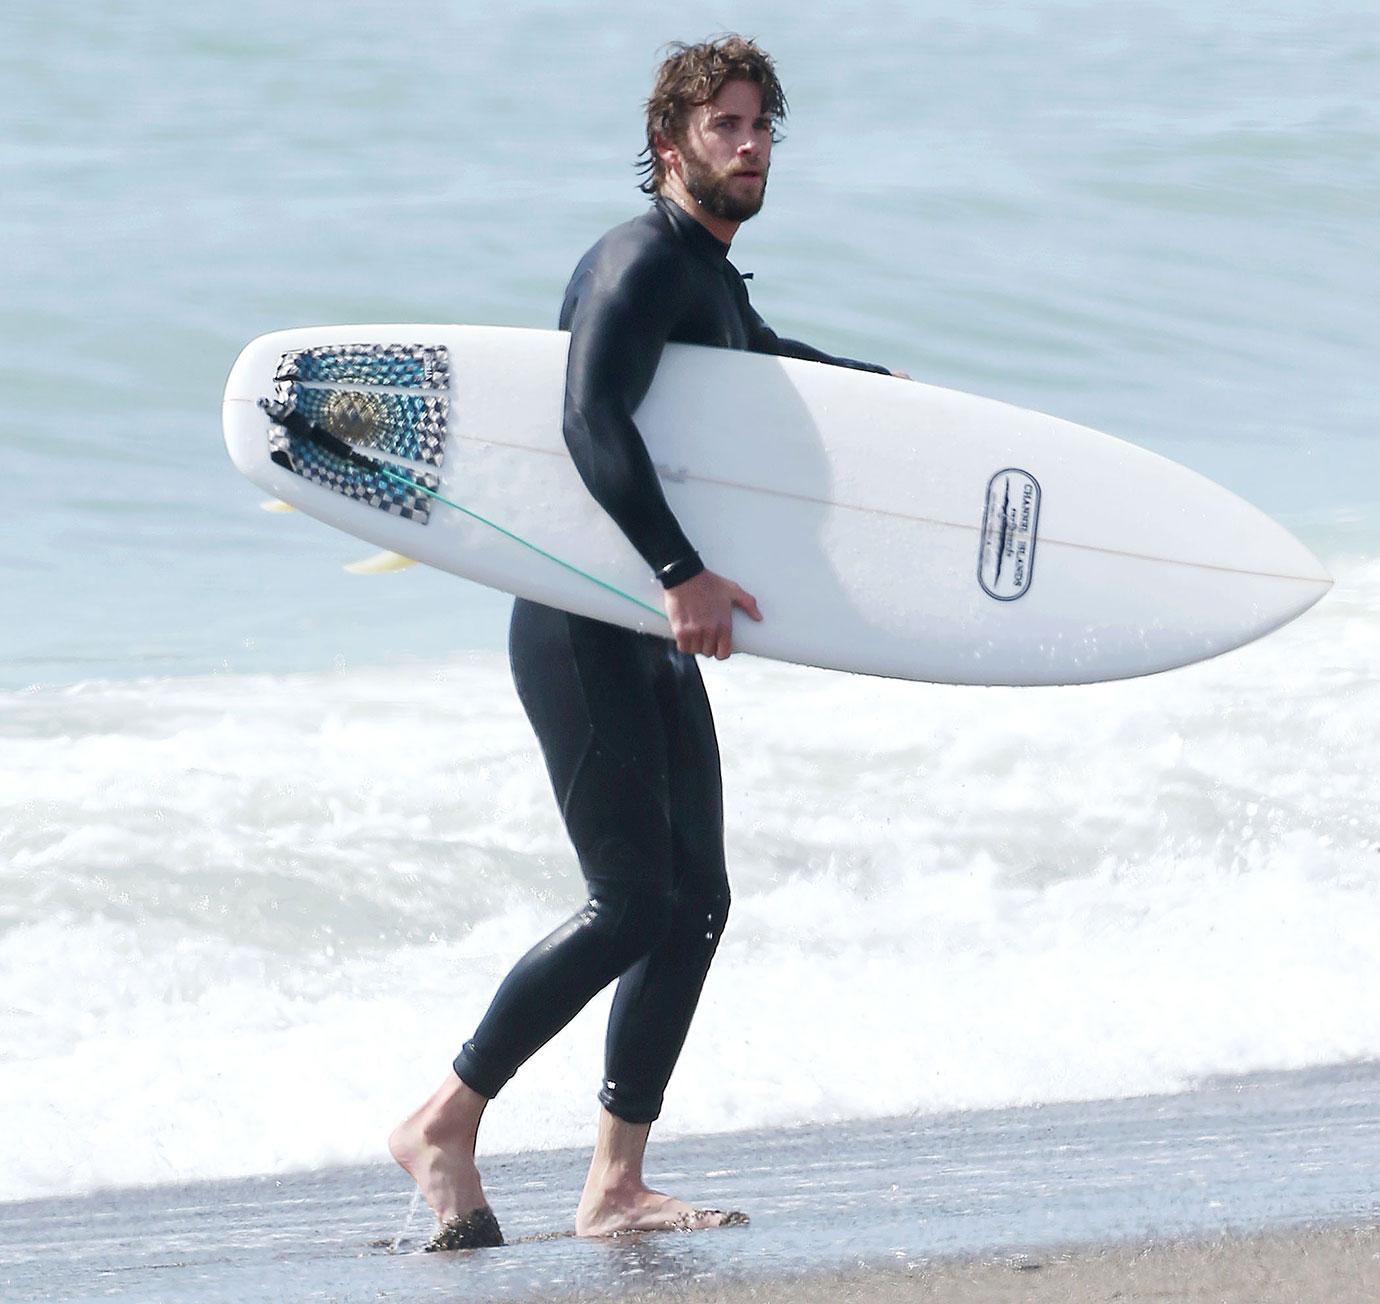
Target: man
x,y
622,718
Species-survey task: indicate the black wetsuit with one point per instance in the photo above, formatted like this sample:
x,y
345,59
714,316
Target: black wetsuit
x,y
622,718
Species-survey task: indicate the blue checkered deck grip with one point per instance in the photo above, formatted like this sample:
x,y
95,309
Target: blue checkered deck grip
x,y
412,365
410,425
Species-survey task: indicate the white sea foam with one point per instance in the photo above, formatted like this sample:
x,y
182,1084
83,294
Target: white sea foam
x,y
247,921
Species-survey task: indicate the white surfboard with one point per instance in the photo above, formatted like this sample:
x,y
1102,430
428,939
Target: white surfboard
x,y
885,526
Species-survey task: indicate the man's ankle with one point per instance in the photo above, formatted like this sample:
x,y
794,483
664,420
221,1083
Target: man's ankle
x,y
612,1181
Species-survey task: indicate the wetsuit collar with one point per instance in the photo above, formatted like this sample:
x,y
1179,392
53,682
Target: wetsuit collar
x,y
689,230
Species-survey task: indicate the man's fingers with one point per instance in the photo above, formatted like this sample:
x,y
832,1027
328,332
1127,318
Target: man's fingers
x,y
700,623
710,641
742,598
698,640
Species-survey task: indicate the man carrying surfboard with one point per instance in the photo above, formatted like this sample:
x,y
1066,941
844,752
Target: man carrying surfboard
x,y
623,720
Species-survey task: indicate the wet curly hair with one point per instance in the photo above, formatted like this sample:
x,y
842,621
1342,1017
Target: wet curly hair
x,y
694,74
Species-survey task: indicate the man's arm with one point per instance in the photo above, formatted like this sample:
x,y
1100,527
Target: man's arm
x,y
622,314
762,339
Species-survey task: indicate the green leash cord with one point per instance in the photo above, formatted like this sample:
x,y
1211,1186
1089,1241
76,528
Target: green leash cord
x,y
299,425
517,538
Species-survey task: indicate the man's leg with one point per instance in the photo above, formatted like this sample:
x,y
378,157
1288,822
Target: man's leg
x,y
657,996
588,690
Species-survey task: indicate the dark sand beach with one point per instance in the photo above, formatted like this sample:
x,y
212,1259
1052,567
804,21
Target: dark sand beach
x,y
1253,1189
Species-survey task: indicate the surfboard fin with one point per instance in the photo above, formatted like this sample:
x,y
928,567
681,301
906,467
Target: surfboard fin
x,y
277,505
381,563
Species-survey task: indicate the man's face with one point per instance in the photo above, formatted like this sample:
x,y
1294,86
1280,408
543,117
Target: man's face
x,y
726,152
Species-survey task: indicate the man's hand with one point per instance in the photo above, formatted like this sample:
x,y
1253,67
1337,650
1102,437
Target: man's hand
x,y
899,374
701,613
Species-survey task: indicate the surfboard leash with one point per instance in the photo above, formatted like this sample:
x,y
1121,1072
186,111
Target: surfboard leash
x,y
294,422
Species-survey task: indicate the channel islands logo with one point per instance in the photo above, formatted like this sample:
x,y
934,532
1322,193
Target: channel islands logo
x,y
1006,560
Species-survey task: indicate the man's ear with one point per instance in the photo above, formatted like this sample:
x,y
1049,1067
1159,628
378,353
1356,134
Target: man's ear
x,y
667,153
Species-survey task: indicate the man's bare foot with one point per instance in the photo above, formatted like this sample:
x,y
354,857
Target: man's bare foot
x,y
435,1145
640,1209
616,1199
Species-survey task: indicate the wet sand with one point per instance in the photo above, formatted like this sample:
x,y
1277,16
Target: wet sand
x,y
1315,1266
1259,1189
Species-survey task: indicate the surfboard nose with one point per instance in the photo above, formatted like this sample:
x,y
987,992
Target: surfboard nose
x,y
1281,552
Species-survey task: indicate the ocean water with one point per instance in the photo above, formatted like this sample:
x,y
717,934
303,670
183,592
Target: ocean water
x,y
269,833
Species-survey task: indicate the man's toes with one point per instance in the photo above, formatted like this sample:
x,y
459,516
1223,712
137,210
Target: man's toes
x,y
698,1220
475,1230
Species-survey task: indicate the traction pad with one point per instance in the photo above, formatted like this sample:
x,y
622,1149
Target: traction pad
x,y
336,387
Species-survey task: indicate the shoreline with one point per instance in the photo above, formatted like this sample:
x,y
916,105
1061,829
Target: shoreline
x,y
1239,1184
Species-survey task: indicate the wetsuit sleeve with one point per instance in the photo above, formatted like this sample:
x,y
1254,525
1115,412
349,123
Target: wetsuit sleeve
x,y
624,308
762,339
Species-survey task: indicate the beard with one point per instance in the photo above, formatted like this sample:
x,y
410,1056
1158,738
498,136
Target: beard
x,y
712,190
